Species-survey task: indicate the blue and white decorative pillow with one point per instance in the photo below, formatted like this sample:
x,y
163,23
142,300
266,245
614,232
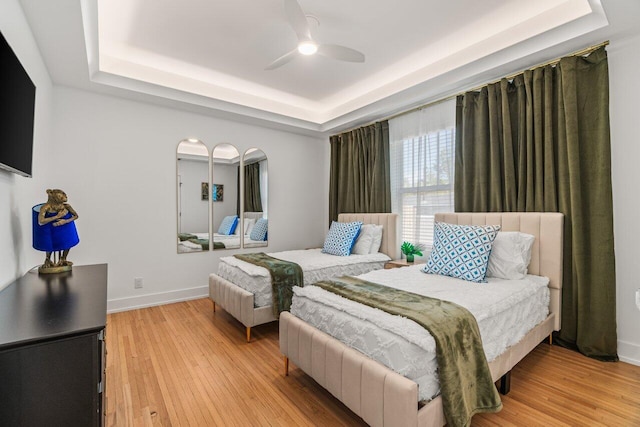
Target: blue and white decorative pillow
x,y
341,238
461,251
228,225
259,231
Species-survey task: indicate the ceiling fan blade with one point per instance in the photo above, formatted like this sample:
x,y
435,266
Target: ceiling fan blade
x,y
340,52
297,19
282,60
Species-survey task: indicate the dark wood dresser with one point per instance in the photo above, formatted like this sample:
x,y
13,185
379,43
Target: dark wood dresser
x,y
52,350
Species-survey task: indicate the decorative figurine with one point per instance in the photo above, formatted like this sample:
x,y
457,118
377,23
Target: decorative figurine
x,y
54,231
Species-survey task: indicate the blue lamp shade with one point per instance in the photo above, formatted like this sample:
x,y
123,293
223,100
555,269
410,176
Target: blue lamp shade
x,y
48,238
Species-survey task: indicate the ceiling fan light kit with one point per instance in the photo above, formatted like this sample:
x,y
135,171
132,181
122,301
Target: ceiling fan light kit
x,y
307,48
306,45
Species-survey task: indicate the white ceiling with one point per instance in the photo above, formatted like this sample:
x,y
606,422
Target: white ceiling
x,y
210,55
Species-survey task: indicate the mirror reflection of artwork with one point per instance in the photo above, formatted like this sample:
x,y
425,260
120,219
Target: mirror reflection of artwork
x,y
218,192
204,191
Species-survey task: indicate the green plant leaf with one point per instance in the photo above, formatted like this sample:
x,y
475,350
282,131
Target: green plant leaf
x,y
406,248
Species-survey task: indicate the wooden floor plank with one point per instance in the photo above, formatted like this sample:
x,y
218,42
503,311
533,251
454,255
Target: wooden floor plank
x,y
181,365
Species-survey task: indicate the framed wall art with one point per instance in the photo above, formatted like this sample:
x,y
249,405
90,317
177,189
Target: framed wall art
x,y
218,192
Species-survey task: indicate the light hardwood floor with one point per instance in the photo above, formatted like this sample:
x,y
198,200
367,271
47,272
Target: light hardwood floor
x,y
181,365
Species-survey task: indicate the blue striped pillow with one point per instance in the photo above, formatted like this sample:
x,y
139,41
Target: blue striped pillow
x,y
228,225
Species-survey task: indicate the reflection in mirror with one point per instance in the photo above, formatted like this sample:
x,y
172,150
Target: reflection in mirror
x,y
256,192
192,159
224,195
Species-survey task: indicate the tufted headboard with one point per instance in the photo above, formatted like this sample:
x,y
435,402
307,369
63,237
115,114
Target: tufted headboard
x,y
389,222
546,255
253,215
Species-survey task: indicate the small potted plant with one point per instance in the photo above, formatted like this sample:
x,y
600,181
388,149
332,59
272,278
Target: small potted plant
x,y
409,249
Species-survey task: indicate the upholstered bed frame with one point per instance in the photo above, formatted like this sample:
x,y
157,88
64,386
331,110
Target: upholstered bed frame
x,y
253,215
384,398
240,303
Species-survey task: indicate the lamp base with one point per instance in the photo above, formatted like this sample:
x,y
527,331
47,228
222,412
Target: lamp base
x,y
54,269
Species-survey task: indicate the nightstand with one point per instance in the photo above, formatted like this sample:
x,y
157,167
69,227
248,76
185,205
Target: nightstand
x,y
52,348
398,263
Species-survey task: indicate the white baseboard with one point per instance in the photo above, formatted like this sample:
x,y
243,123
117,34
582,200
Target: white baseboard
x,y
629,352
151,300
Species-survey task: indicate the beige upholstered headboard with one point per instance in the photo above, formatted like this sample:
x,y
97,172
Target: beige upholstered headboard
x,y
389,222
253,215
546,255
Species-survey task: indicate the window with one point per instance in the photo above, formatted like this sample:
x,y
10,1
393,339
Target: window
x,y
422,161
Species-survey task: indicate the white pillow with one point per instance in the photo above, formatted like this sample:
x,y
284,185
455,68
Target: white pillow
x,y
510,255
364,241
248,225
377,239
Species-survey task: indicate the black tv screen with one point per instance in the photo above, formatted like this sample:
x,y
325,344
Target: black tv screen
x,y
17,102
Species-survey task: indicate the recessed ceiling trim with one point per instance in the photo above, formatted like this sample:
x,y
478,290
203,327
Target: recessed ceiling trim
x,y
134,85
115,64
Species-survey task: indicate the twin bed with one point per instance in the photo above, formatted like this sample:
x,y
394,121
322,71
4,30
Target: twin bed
x,y
244,290
381,396
321,331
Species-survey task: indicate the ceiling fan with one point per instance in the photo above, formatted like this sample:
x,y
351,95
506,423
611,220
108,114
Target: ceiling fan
x,y
306,45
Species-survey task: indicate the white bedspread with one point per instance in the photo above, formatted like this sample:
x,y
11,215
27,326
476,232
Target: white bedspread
x,y
315,266
505,310
233,241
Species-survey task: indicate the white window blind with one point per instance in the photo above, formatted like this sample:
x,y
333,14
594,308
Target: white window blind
x,y
421,165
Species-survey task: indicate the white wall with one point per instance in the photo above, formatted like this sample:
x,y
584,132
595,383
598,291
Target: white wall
x,y
117,165
624,67
19,194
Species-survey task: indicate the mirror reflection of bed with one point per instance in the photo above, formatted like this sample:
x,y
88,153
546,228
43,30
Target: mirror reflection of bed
x,y
192,166
198,191
231,230
232,241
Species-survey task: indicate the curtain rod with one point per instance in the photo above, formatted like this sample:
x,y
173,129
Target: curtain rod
x,y
581,52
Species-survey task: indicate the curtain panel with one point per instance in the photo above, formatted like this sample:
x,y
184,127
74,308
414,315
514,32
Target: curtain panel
x,y
252,195
541,143
359,174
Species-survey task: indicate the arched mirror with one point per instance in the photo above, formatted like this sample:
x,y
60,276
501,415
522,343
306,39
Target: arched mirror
x,y
225,192
256,198
192,168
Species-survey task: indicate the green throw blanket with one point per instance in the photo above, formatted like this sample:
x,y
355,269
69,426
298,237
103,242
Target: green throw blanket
x,y
284,276
465,379
202,242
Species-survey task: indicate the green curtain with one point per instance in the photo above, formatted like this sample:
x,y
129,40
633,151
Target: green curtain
x,y
541,143
252,196
359,177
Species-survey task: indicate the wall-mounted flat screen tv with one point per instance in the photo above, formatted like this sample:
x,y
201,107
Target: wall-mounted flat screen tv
x,y
17,102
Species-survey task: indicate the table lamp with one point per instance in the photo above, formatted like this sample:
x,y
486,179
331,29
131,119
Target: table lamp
x,y
54,231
